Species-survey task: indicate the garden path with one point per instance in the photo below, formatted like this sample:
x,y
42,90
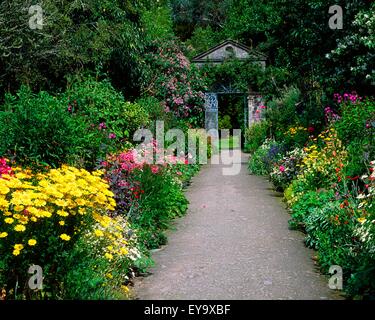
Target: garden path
x,y
234,243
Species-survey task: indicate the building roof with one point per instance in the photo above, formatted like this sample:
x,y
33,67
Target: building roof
x,y
216,53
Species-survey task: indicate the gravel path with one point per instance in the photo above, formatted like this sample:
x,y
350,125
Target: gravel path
x,y
234,243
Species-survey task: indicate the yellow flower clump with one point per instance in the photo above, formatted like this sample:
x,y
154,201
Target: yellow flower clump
x,y
28,201
110,233
294,130
320,160
332,154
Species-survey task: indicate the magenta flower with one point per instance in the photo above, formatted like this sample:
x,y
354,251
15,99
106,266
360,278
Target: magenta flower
x,y
112,136
102,126
154,169
282,169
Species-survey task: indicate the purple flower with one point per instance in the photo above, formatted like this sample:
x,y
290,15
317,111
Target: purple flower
x,y
102,126
112,136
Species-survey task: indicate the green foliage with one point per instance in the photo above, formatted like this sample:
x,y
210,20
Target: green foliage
x,y
354,54
100,103
157,23
38,130
308,203
356,120
255,135
225,122
282,112
156,112
234,74
163,201
356,129
189,15
202,40
76,35
332,228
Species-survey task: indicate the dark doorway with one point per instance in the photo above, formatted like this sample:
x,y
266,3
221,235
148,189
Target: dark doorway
x,y
232,111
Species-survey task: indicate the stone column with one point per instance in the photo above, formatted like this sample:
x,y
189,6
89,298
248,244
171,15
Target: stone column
x,y
211,111
251,111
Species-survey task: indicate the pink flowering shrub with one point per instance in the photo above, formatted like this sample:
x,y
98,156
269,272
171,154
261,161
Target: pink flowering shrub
x,y
147,185
174,81
122,171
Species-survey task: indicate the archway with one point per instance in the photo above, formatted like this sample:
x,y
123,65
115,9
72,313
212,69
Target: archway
x,y
252,101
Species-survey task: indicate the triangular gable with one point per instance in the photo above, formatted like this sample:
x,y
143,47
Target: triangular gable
x,y
229,47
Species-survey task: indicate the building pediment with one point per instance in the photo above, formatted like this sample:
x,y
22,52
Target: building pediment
x,y
229,49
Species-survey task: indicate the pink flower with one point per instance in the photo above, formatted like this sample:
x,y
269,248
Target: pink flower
x,y
178,101
102,126
112,136
179,173
4,168
282,169
154,169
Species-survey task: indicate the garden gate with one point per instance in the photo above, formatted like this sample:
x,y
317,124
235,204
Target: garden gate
x,y
252,100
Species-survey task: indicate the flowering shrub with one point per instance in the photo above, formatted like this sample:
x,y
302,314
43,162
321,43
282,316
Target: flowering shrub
x,y
175,82
263,159
149,193
366,231
319,168
357,131
287,169
357,118
45,216
296,136
340,225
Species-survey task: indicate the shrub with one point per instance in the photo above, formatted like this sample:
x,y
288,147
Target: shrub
x,y
162,201
172,79
283,111
149,194
357,117
339,224
105,108
38,130
287,169
255,136
356,128
324,160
